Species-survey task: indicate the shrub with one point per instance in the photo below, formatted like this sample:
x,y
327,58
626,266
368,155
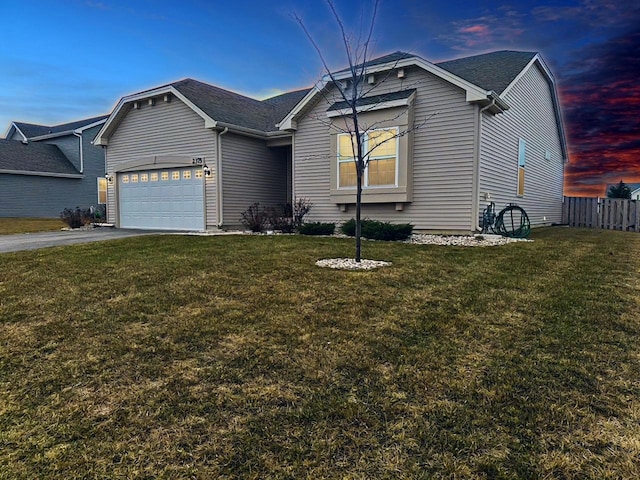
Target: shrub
x,y
317,228
254,218
376,230
279,218
75,218
299,209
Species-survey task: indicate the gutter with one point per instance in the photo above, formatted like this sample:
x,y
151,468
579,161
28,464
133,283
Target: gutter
x,y
79,135
41,174
218,179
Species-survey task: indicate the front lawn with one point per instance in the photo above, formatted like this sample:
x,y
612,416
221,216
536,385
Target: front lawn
x,y
29,225
236,357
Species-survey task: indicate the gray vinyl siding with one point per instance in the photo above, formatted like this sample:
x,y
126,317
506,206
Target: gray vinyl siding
x,y
166,128
532,118
38,197
443,153
251,172
46,197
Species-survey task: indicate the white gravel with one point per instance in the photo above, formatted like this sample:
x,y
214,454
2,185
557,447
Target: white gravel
x,y
351,264
421,239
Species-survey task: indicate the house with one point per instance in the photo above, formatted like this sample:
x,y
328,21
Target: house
x,y
471,131
457,135
192,156
45,169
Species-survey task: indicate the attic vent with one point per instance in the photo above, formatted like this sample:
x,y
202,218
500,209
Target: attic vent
x,y
371,79
167,97
152,102
401,73
136,105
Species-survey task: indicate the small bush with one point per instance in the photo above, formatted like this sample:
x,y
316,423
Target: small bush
x,y
376,230
279,218
299,209
254,218
317,228
75,218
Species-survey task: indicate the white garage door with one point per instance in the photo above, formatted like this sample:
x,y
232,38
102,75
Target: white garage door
x,y
169,199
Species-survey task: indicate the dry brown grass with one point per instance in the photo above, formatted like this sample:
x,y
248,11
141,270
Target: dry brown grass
x,y
236,357
10,226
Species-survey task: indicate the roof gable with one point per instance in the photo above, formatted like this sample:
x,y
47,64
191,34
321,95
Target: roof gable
x,y
218,107
31,130
493,71
34,157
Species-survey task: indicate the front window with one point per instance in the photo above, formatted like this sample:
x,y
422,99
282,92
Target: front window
x,y
382,148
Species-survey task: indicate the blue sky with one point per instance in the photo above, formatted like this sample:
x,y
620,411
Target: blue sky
x,y
65,60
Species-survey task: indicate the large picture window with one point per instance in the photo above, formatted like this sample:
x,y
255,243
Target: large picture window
x,y
381,170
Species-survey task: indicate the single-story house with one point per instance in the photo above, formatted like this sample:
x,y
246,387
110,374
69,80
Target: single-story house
x,y
459,134
45,169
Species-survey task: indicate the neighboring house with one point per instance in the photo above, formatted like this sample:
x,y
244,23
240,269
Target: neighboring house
x,y
480,129
44,169
193,156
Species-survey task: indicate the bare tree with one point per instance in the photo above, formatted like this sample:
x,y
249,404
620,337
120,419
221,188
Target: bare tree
x,y
356,96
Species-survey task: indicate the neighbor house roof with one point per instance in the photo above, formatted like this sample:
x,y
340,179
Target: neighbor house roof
x,y
492,71
31,130
35,157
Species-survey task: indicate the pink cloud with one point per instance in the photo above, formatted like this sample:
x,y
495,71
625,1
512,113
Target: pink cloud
x,y
476,29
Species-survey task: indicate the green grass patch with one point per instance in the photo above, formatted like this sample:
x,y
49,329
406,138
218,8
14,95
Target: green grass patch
x,y
10,226
236,357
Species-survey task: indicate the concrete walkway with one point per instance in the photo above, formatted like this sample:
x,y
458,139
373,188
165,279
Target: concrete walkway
x,y
33,241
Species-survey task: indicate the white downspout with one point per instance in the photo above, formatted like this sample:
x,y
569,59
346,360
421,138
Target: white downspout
x,y
476,200
79,135
219,176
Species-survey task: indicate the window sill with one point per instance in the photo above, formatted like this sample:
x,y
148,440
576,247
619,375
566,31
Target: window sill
x,y
372,195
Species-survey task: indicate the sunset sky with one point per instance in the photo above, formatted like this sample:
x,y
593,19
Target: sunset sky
x,y
63,60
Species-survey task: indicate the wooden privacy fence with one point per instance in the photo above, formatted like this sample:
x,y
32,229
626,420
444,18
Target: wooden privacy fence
x,y
604,213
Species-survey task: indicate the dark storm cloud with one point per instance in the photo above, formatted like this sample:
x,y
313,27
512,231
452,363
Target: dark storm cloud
x,y
601,99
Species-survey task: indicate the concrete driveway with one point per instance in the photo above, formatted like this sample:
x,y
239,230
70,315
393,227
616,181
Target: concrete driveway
x,y
33,241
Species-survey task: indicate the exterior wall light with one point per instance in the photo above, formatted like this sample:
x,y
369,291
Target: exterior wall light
x,y
206,170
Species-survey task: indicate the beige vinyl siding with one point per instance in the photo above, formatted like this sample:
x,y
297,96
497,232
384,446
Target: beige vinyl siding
x,y
443,152
166,128
532,118
251,172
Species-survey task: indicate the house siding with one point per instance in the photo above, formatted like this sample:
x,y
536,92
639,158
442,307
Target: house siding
x,y
38,196
251,172
532,118
164,129
442,160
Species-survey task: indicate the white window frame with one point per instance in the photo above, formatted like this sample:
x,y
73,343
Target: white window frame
x,y
365,143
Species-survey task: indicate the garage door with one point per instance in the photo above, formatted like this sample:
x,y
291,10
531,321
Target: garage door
x,y
170,199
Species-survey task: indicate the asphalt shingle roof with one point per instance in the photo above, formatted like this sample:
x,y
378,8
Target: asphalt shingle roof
x,y
235,109
374,99
491,71
33,157
31,130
